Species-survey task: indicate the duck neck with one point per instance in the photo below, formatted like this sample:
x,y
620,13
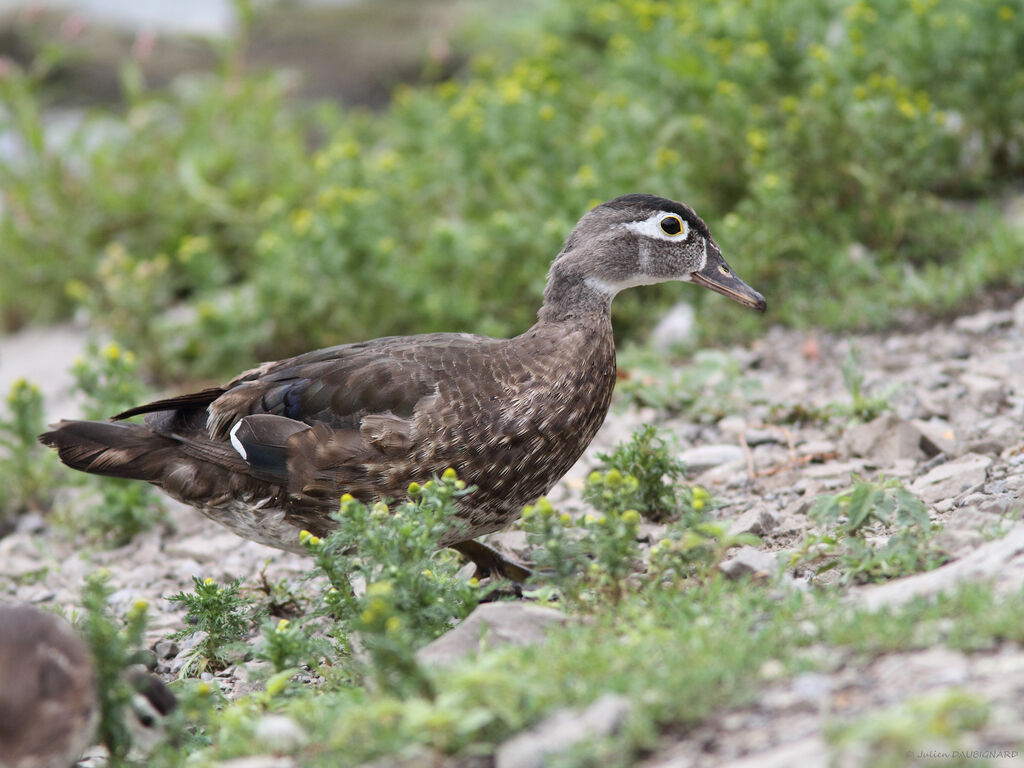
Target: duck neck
x,y
570,295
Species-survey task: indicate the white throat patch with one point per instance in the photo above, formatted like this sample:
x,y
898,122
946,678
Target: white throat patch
x,y
651,227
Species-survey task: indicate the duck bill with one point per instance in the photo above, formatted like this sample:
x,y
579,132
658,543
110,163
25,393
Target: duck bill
x,y
719,277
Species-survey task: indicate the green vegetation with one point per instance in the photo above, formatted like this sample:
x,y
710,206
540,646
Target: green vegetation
x,y
648,459
833,145
709,387
222,615
725,631
110,381
929,723
114,646
27,470
411,592
867,511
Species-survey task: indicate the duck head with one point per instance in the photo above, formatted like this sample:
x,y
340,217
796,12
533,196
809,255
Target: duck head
x,y
638,240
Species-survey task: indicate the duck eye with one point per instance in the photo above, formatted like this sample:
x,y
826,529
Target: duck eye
x,y
671,225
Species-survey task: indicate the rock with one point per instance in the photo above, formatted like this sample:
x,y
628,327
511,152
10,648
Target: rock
x,y
707,456
166,649
676,329
763,436
750,561
937,436
984,392
952,478
884,440
492,625
562,731
259,761
757,521
1018,315
957,542
1001,561
983,322
203,547
808,752
280,733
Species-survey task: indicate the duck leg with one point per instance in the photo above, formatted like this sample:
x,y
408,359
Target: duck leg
x,y
490,562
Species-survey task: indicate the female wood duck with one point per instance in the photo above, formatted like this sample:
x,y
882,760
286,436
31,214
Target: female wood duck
x,y
269,453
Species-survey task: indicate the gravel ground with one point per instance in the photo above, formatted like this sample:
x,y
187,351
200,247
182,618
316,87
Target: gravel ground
x,y
955,436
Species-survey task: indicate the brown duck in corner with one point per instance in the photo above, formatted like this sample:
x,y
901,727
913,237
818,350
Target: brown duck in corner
x,y
269,453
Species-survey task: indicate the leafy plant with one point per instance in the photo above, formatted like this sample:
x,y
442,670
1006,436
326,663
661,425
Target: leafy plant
x,y
286,645
709,387
861,406
114,645
660,493
412,592
224,617
27,471
850,518
937,722
111,382
693,550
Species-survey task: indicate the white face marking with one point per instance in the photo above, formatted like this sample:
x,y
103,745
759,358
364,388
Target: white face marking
x,y
235,442
651,227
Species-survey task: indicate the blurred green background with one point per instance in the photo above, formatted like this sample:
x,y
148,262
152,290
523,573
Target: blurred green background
x,y
209,208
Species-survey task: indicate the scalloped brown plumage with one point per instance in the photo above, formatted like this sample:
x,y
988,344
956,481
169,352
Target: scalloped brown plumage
x,y
270,452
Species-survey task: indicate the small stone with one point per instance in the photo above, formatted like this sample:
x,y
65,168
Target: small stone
x,y
259,761
677,328
493,624
750,561
705,457
937,436
1018,315
957,542
562,731
280,732
166,649
952,478
983,392
983,322
758,521
883,440
763,436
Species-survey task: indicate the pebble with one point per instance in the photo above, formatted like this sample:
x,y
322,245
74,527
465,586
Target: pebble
x,y
750,561
705,457
562,731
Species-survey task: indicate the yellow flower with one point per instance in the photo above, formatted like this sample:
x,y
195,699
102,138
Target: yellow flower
x,y
112,351
301,220
393,624
631,517
414,488
1005,13
282,625
546,113
347,497
756,141
208,580
449,475
544,507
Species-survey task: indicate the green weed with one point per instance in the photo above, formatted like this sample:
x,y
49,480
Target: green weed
x,y
648,459
412,593
709,387
114,645
866,510
938,722
27,471
111,381
223,615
